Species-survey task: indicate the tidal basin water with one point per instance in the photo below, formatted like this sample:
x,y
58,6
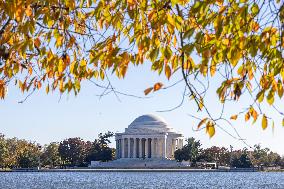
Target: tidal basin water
x,y
100,180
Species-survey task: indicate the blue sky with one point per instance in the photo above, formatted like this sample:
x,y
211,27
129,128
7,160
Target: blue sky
x,y
46,118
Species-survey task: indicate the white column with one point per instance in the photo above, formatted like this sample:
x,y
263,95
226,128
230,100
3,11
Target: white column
x,y
140,148
128,154
146,148
153,155
174,144
164,151
134,148
117,149
122,148
158,150
181,143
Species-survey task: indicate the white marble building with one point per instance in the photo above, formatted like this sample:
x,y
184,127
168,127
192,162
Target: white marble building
x,y
149,137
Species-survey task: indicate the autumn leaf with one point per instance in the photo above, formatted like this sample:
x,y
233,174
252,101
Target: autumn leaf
x,y
158,86
254,114
29,11
247,116
39,84
168,71
37,42
47,89
212,69
234,117
148,90
201,122
30,70
210,129
264,122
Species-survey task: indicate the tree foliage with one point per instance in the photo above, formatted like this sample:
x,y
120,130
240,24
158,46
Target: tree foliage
x,y
258,157
73,151
100,151
189,152
50,156
58,44
241,160
220,155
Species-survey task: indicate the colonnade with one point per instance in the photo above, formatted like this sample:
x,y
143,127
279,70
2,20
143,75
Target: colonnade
x,y
144,147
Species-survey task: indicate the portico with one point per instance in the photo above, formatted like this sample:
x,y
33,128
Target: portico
x,y
148,136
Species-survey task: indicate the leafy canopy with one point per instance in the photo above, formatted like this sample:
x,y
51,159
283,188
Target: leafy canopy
x,y
57,44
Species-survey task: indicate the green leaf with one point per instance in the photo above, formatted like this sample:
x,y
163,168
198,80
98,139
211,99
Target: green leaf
x,y
188,33
254,9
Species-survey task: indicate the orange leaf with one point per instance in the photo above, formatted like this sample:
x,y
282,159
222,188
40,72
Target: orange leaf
x,y
29,11
234,117
39,85
158,86
37,42
147,91
30,70
247,116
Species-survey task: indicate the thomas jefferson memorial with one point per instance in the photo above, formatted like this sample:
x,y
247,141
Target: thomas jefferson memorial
x,y
148,137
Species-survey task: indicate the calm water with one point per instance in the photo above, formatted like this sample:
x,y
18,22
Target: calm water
x,y
141,180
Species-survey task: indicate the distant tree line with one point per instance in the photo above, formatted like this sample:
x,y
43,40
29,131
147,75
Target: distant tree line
x,y
258,157
17,153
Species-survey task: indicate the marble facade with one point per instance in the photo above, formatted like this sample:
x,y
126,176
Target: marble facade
x,y
148,136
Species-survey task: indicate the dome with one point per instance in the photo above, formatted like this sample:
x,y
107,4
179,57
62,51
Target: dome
x,y
148,120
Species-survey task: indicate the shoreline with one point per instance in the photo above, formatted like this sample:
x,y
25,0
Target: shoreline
x,y
132,170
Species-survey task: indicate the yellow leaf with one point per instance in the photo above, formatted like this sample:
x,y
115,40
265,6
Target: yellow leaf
x,y
226,41
130,2
47,89
210,129
158,86
283,122
60,66
264,122
234,117
175,41
170,20
147,91
123,71
102,74
168,71
201,122
219,2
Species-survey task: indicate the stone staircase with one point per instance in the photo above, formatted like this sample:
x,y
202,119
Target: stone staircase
x,y
139,163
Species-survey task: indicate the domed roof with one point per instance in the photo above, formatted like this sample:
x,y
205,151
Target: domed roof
x,y
148,120
150,124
